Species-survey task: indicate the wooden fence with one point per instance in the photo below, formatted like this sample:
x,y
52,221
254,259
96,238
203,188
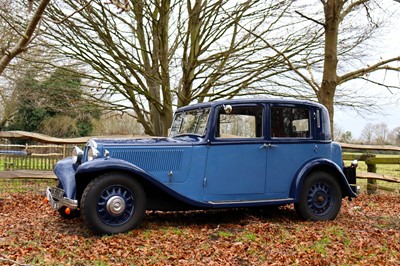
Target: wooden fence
x,y
373,155
29,168
29,160
36,161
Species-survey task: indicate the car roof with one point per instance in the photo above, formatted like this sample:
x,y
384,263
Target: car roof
x,y
247,101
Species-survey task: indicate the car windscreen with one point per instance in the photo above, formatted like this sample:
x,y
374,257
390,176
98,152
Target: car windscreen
x,y
193,122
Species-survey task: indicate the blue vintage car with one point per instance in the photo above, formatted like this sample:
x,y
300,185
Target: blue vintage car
x,y
234,153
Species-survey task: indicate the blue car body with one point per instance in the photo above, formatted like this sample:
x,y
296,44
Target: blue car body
x,y
280,143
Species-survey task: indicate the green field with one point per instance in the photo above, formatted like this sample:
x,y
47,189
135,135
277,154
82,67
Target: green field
x,y
35,186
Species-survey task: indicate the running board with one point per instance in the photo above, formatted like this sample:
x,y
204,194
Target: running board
x,y
245,202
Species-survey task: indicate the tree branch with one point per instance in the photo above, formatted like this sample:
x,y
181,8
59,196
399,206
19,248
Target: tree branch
x,y
350,8
73,13
26,38
308,18
369,69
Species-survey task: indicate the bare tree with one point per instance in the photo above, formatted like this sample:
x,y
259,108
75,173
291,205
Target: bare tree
x,y
9,27
376,134
25,37
396,136
367,134
348,30
115,123
161,54
335,12
22,50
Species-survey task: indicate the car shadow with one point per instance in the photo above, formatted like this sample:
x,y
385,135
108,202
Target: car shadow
x,y
241,216
198,218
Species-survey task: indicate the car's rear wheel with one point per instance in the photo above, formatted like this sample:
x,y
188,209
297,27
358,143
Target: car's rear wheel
x,y
320,197
113,203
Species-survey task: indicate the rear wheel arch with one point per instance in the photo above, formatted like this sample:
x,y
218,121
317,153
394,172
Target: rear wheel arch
x,y
327,167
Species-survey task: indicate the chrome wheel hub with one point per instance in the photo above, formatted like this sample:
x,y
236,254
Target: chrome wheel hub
x,y
115,205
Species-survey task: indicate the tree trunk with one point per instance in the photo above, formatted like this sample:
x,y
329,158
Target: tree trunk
x,y
191,52
326,94
159,88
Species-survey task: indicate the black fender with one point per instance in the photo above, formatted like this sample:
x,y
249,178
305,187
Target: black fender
x,y
90,169
108,164
320,164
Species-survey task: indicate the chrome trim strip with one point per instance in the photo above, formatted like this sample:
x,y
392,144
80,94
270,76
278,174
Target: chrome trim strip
x,y
248,201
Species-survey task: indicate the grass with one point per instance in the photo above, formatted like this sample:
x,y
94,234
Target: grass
x,y
37,186
2,163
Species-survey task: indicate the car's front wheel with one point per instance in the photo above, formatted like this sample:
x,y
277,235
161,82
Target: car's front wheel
x,y
320,197
113,203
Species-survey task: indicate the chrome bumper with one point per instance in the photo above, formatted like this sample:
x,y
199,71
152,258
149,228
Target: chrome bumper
x,y
56,198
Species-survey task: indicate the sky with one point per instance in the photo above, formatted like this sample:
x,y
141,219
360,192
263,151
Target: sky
x,y
348,120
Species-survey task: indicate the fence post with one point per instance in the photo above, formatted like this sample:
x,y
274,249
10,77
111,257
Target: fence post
x,y
371,167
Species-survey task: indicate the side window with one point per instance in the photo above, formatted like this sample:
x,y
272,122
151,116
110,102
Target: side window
x,y
239,122
290,122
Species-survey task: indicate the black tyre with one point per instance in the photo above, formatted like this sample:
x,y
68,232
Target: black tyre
x,y
320,198
113,203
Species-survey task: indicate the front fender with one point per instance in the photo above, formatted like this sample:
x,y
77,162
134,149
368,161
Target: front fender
x,y
65,171
322,165
111,164
106,164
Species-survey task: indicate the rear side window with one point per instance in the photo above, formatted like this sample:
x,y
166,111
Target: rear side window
x,y
290,122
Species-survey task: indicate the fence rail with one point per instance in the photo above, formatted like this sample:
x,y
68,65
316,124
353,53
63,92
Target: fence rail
x,y
28,168
374,155
28,162
33,159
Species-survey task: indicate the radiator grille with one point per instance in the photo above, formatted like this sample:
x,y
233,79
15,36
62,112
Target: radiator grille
x,y
153,160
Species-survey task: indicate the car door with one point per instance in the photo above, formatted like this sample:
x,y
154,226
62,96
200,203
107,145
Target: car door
x,y
291,145
236,161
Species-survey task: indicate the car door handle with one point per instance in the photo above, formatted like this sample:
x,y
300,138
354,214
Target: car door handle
x,y
268,145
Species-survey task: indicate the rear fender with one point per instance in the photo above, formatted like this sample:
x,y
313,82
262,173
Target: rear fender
x,y
320,165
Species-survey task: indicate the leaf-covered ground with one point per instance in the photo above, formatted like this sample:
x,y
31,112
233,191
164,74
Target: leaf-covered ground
x,y
367,232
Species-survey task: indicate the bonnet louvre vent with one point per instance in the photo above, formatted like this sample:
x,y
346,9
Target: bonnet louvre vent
x,y
153,160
